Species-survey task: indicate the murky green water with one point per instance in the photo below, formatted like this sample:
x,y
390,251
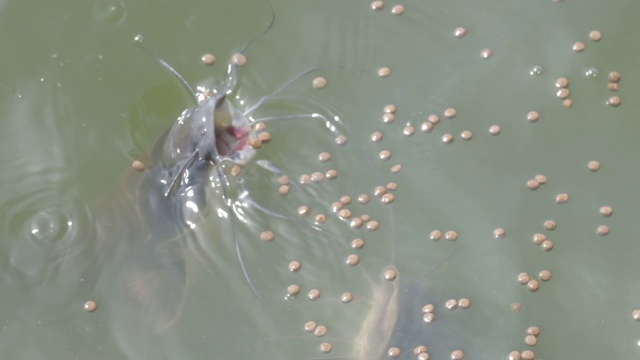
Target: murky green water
x,y
79,102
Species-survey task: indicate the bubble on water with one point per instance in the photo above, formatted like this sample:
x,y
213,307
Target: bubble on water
x,y
112,12
536,70
591,72
138,38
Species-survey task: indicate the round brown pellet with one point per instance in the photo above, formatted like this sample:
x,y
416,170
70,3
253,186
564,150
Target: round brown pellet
x,y
389,275
397,10
235,170
324,156
550,225
451,235
305,179
340,140
447,138
562,198
427,308
319,83
533,285
320,331
384,71
283,190
602,230
515,307
356,223
283,180
384,155
390,109
466,135
426,127
346,297
593,165
494,130
377,5
313,294
391,186
138,165
527,355
544,275
419,350
344,214
541,179
533,116
293,290
353,260
486,53
450,113
612,86
345,199
533,330
396,168
614,76
294,266
460,32
326,347
90,306
265,137
464,303
523,278
393,352
606,211
387,198
434,118
372,225
567,103
336,206
435,235
357,243
376,136
423,356
408,130
320,218
379,191
547,245
562,82
255,143
331,174
538,238
595,35
636,314
363,198
428,317
208,59
309,326
563,93
530,340
499,233
578,46
451,304
514,355
613,101
457,355
533,184
388,118
303,210
267,235
317,177
239,59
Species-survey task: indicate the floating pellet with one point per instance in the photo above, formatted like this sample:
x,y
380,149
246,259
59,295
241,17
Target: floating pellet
x,y
547,245
533,116
408,130
457,355
563,93
346,297
283,180
544,275
527,355
393,352
451,304
292,290
379,191
389,109
435,235
305,179
612,86
255,143
388,118
239,59
267,235
427,308
486,53
593,165
533,330
372,225
514,355
387,198
613,101
428,317
451,235
447,138
384,71
578,46
495,130
602,230
309,326
389,275
533,285
356,223
515,307
294,266
317,177
550,225
138,165
313,294
363,198
499,233
595,35
353,260
357,243
283,190
331,174
538,238
324,156
541,179
614,76
90,306
567,103
460,32
376,136
344,214
336,206
303,210
397,10
523,278
606,211
326,347
340,140
320,331
396,168
365,217
235,170
208,59
384,155
533,184
636,315
466,135
426,127
464,303
319,83
450,113
264,137
562,82
391,186
434,118
562,198
377,5
320,218
530,340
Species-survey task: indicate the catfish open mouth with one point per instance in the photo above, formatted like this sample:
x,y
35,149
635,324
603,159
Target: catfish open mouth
x,y
231,140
